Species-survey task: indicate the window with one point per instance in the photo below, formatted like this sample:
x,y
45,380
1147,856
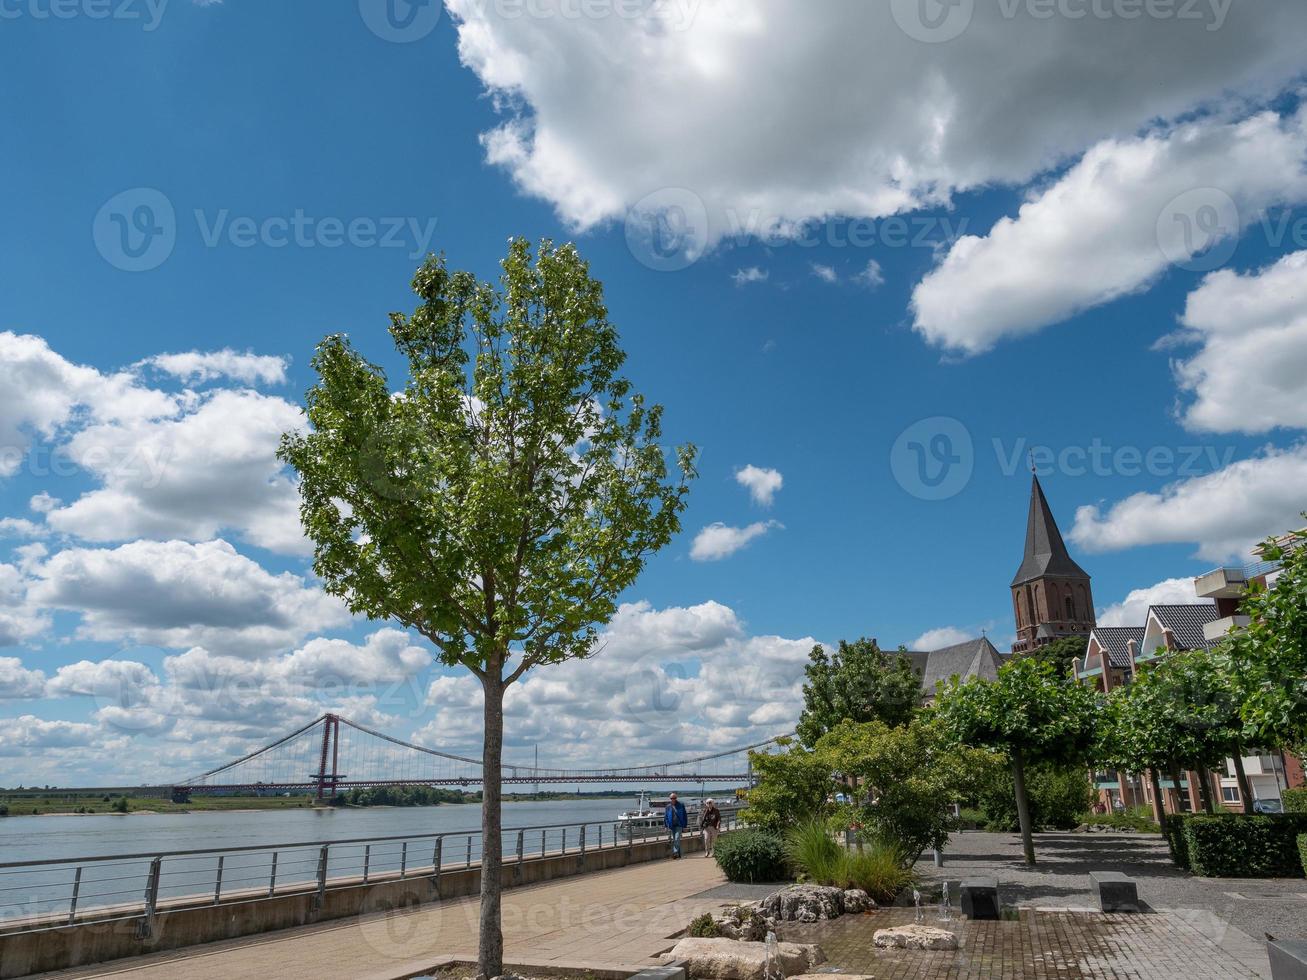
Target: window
x,y
1230,794
1070,609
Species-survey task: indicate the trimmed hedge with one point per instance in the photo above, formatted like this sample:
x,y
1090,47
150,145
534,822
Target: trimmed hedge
x,y
1238,845
751,856
1295,800
1302,851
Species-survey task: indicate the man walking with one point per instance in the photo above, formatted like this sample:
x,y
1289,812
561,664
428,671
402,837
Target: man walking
x,y
676,820
710,822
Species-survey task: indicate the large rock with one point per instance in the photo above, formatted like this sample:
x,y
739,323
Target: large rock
x,y
856,900
804,903
915,937
727,959
745,923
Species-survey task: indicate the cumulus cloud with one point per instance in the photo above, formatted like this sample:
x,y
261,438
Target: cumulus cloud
x,y
588,125
718,541
16,681
177,594
19,619
937,639
872,276
28,734
1248,375
1224,513
1131,610
763,484
825,273
202,366
745,277
1128,210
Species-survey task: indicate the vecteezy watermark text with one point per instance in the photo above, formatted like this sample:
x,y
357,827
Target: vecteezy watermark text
x,y
149,13
939,21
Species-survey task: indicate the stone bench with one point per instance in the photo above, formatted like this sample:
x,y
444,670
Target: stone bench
x,y
672,971
1288,959
1114,892
980,898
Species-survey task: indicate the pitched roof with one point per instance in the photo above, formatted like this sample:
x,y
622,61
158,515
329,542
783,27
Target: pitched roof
x,y
1186,622
1116,641
973,658
1046,553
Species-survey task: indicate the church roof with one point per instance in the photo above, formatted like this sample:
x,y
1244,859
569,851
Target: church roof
x,y
973,658
1046,554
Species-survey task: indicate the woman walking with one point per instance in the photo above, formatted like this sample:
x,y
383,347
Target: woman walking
x,y
710,823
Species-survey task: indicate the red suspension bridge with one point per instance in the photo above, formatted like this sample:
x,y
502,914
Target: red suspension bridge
x,y
332,754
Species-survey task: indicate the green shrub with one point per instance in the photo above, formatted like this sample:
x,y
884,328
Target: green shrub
x,y
1302,851
1058,798
879,870
1295,800
1176,841
812,851
751,855
1139,819
704,927
1244,845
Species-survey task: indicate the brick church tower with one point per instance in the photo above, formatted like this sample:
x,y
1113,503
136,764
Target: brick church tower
x,y
1051,596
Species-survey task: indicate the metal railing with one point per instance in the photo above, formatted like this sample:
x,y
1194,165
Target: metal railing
x,y
56,892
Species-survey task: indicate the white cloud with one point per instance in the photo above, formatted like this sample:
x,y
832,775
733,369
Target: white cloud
x,y
1131,610
1116,220
745,277
718,541
202,366
28,734
873,276
16,681
591,126
1250,374
825,273
1224,513
20,527
385,656
937,639
104,679
176,594
762,484
19,619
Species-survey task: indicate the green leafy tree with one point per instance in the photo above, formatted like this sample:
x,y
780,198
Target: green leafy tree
x,y
859,682
500,501
1030,714
790,787
1062,652
1269,655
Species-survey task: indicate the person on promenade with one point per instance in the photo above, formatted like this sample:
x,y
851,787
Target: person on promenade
x,y
710,823
676,820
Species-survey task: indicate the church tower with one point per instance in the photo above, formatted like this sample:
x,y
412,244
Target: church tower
x,y
1050,592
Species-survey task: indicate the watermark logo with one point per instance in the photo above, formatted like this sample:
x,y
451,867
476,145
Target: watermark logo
x,y
136,230
933,459
649,696
148,13
667,231
933,21
1199,229
401,21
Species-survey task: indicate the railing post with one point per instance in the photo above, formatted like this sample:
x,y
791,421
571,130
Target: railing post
x,y
77,887
583,840
272,876
436,859
145,929
322,877
542,842
521,838
403,860
469,850
367,861
217,882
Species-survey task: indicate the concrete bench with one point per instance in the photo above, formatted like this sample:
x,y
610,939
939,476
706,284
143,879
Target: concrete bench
x,y
1114,892
980,898
1288,959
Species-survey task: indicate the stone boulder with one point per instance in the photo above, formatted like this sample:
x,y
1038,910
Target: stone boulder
x,y
745,923
804,903
856,900
915,937
728,959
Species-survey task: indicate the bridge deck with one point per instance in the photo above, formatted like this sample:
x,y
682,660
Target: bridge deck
x,y
615,918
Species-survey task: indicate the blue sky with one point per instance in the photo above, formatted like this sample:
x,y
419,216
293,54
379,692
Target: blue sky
x,y
820,170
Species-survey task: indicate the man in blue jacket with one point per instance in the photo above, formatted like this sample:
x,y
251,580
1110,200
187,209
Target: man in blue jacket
x,y
676,820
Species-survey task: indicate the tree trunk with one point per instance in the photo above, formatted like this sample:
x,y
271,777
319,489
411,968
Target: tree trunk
x,y
1180,800
1205,789
1245,787
1159,803
490,946
1023,805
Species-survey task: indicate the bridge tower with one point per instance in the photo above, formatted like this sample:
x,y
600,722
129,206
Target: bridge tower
x,y
325,779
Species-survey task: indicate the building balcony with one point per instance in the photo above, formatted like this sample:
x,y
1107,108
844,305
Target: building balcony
x,y
1223,583
1217,628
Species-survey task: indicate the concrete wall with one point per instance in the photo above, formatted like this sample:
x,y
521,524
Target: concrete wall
x,y
180,923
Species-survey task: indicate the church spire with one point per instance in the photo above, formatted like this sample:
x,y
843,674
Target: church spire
x,y
1046,553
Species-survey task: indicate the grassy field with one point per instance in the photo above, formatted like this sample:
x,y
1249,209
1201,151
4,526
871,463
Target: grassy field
x,y
24,805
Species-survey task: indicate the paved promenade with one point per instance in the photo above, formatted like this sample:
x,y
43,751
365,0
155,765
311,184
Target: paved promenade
x,y
618,918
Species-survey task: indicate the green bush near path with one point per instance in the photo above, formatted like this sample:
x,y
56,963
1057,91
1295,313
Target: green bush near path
x,y
878,868
1138,819
1302,851
751,856
1238,845
1295,800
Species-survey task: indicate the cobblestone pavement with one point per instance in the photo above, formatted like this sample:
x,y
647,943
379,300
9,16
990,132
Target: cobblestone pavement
x,y
1039,945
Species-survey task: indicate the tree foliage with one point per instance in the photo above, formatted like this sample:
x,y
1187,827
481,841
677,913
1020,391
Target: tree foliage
x,y
1062,652
502,499
858,682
